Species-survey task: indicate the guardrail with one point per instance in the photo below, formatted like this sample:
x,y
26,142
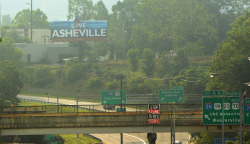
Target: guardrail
x,y
52,107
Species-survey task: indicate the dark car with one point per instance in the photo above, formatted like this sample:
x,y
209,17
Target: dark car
x,y
109,107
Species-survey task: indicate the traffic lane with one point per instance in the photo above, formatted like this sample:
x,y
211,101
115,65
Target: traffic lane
x,y
115,138
165,138
92,105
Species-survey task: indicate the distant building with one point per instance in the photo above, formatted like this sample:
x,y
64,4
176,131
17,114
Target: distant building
x,y
39,36
34,53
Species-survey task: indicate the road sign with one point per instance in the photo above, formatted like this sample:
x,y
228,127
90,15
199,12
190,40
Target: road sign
x,y
212,93
49,137
233,93
246,109
212,110
154,106
113,97
153,114
171,96
153,121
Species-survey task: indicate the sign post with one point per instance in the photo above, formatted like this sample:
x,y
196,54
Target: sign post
x,y
171,95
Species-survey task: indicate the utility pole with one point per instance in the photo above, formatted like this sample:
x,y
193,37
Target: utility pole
x,y
31,19
173,127
121,109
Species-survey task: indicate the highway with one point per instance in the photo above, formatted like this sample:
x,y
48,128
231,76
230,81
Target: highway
x,y
131,138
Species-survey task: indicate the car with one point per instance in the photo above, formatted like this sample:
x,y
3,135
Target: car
x,y
109,107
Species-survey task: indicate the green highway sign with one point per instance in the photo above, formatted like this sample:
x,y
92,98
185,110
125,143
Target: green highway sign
x,y
113,97
212,110
233,93
171,96
246,110
212,93
49,137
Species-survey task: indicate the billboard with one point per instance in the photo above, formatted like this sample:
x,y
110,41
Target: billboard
x,y
78,30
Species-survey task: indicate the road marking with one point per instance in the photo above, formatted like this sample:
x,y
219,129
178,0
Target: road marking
x,y
136,138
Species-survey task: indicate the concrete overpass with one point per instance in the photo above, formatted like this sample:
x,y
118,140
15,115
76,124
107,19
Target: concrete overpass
x,y
104,122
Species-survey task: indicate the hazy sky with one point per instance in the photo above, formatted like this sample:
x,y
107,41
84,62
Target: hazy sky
x,y
56,10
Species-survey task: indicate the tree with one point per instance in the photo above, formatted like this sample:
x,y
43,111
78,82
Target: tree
x,y
230,60
178,25
39,19
6,20
82,8
101,12
121,22
6,32
9,52
148,62
133,59
10,83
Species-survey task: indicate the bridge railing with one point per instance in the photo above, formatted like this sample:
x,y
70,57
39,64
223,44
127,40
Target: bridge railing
x,y
62,108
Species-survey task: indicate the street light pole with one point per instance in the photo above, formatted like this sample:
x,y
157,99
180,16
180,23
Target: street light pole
x,y
121,109
222,124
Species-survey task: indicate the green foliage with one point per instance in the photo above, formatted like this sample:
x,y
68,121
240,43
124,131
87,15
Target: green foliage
x,y
180,62
10,83
133,59
42,77
113,85
164,66
175,25
6,20
81,8
95,83
76,72
22,19
147,87
206,138
14,34
101,11
148,62
9,52
230,60
192,79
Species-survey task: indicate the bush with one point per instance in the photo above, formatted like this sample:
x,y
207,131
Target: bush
x,y
42,77
76,72
95,83
112,85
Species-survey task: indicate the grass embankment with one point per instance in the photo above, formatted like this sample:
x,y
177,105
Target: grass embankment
x,y
68,138
83,139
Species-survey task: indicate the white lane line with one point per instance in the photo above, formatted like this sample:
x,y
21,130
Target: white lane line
x,y
136,138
